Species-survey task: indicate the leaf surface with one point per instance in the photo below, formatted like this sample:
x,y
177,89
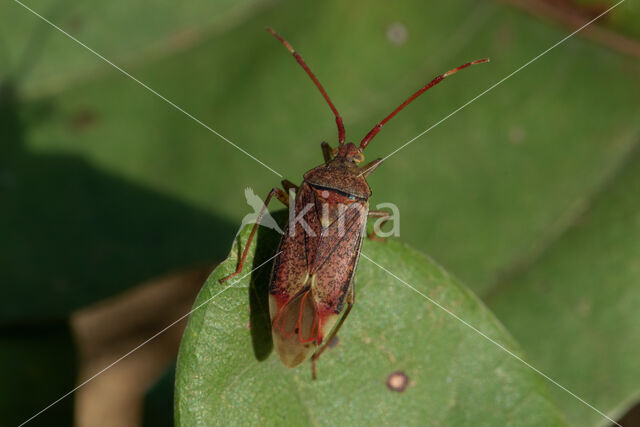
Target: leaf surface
x,y
576,309
225,370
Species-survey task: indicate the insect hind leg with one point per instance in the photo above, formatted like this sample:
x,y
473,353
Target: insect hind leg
x,y
351,299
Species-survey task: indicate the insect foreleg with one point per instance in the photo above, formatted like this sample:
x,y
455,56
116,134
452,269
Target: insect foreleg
x,y
327,152
370,167
287,185
280,195
351,299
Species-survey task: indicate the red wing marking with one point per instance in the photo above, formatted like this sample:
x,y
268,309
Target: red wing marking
x,y
301,321
299,316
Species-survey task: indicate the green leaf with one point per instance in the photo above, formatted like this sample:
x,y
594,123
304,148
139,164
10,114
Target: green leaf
x,y
73,233
457,377
576,310
45,60
485,192
482,191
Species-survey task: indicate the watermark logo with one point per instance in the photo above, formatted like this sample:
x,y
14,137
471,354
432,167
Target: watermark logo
x,y
257,204
336,216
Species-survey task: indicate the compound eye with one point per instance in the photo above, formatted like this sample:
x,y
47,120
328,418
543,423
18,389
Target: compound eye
x,y
358,158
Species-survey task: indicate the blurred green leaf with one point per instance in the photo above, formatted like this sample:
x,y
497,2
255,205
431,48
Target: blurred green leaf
x,y
456,376
137,32
485,192
576,310
481,192
73,233
37,366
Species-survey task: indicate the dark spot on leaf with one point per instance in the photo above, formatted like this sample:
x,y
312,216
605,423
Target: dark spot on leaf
x,y
397,381
76,23
84,119
334,342
397,33
516,135
296,331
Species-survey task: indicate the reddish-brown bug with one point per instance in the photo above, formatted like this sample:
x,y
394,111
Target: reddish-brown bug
x,y
312,276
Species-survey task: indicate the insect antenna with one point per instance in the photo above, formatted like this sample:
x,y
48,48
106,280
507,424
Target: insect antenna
x,y
365,141
296,55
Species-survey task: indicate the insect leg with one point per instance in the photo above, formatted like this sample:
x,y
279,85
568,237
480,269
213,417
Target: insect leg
x,y
370,167
327,152
378,214
351,299
280,195
287,185
296,55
